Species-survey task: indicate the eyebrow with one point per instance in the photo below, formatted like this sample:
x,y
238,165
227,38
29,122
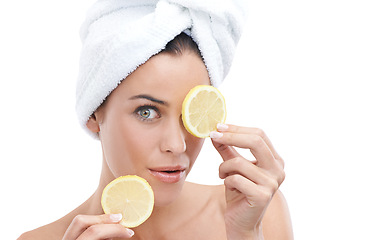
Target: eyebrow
x,y
148,97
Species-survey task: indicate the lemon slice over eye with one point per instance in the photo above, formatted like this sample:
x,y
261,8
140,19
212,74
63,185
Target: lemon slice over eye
x,y
130,195
203,108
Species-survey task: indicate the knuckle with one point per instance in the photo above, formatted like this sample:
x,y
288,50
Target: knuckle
x,y
273,186
279,173
281,161
232,180
79,220
222,170
236,178
222,147
228,181
93,230
282,176
237,161
266,195
231,166
221,166
259,132
257,140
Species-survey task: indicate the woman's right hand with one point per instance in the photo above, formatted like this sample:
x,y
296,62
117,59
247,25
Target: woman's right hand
x,y
97,227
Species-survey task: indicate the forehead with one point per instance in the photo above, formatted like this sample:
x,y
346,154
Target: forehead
x,y
166,76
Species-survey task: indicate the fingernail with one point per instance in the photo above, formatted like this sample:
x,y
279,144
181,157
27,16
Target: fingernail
x,y
222,126
116,217
215,134
130,232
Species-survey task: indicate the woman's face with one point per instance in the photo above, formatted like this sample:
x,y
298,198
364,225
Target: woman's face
x,y
140,124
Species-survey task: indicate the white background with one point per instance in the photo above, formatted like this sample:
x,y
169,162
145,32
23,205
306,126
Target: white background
x,y
300,74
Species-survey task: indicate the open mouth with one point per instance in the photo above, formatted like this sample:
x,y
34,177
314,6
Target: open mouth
x,y
168,174
174,171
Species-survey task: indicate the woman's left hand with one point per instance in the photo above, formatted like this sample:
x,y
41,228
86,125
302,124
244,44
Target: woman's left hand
x,y
249,185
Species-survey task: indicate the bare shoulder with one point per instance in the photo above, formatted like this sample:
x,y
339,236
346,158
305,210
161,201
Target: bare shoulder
x,y
277,222
39,233
212,193
208,190
28,236
50,231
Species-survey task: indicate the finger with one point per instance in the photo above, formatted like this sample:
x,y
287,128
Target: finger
x,y
255,195
255,143
248,170
105,231
249,130
227,152
81,222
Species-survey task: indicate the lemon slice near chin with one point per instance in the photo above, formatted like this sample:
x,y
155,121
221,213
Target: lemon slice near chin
x,y
130,195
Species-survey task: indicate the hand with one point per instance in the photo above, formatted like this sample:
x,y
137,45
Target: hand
x,y
97,227
249,186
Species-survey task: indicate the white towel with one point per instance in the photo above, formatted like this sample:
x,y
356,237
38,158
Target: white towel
x,y
120,35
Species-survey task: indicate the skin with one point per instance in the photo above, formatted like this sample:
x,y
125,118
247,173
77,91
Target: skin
x,y
140,128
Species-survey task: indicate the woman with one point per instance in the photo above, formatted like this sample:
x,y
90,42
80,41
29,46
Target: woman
x,y
139,126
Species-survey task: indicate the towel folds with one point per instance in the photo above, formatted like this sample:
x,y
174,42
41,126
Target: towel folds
x,y
120,35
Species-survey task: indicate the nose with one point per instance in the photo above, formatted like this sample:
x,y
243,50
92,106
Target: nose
x,y
173,137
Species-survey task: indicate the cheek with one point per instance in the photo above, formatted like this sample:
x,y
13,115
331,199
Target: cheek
x,y
127,148
194,146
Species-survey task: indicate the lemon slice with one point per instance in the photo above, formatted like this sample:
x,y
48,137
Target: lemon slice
x,y
203,108
130,195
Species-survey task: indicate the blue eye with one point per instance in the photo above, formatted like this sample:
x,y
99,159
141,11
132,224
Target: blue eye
x,y
147,112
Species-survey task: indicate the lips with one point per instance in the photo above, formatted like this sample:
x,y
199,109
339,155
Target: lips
x,y
168,174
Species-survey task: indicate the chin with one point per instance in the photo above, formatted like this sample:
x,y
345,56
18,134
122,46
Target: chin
x,y
166,194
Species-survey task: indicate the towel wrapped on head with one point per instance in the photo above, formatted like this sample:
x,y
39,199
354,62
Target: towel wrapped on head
x,y
120,35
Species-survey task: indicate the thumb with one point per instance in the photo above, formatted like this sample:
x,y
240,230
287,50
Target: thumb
x,y
227,152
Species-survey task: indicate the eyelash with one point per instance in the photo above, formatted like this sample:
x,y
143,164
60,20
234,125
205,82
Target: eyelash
x,y
146,107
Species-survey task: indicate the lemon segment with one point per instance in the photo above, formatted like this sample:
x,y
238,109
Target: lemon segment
x,y
202,109
130,195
